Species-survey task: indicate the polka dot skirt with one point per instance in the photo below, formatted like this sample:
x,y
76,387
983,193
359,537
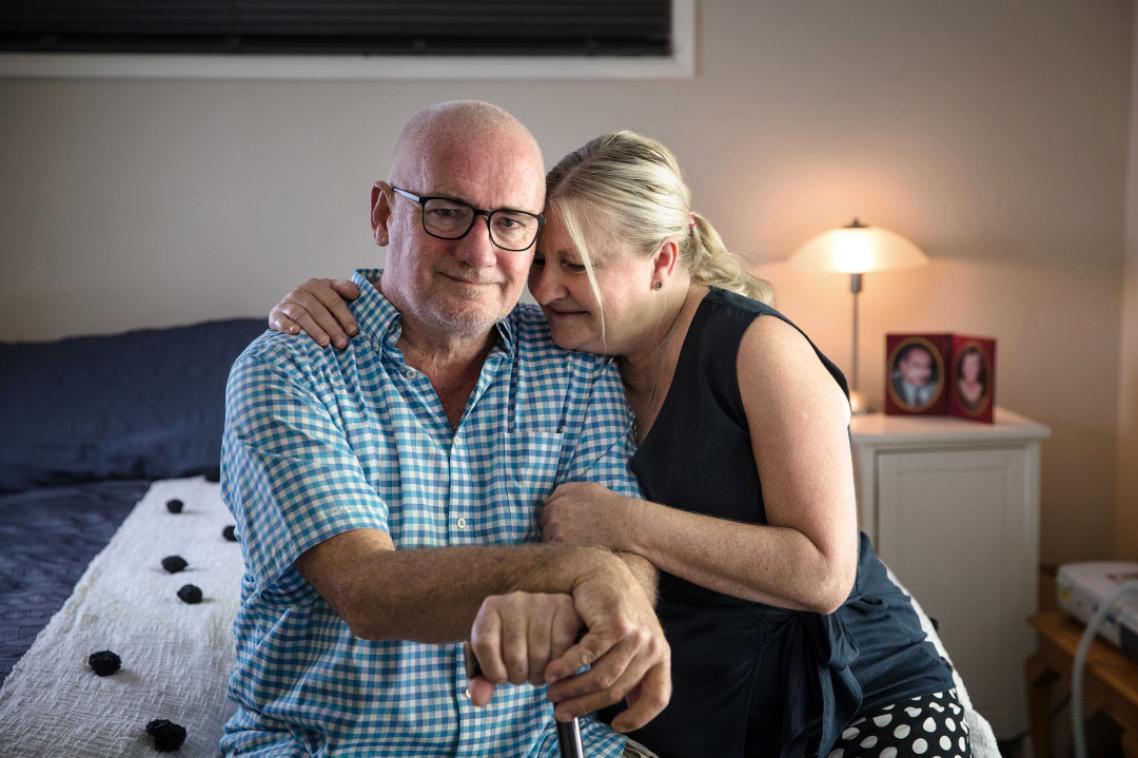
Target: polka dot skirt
x,y
931,726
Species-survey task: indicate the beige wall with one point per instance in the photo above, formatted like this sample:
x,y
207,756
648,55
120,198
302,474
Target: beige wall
x,y
994,135
1126,512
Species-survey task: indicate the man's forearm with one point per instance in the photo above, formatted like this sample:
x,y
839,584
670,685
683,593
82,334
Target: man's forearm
x,y
433,594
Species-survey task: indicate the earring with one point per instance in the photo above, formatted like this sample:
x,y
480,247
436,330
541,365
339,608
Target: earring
x,y
658,286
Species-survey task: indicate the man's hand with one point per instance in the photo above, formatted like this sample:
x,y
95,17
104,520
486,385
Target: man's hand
x,y
525,636
585,513
515,636
623,644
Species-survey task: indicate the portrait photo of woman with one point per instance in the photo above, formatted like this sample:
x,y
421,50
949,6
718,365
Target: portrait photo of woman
x,y
972,378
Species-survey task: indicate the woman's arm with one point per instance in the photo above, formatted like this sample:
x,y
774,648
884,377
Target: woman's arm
x,y
806,558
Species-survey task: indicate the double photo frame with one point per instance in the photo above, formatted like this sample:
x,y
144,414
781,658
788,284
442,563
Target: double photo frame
x,y
940,374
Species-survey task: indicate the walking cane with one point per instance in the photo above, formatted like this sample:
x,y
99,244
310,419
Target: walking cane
x,y
568,732
569,739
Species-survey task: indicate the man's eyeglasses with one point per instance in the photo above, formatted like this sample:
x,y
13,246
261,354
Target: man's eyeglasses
x,y
450,219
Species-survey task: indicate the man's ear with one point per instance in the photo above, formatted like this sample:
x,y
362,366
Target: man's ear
x,y
380,211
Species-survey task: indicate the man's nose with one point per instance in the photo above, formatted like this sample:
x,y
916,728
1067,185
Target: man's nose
x,y
476,248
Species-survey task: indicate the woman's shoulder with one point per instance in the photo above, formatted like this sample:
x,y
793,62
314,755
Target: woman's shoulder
x,y
774,343
734,303
722,305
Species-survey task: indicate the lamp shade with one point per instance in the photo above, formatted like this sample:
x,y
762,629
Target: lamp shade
x,y
858,249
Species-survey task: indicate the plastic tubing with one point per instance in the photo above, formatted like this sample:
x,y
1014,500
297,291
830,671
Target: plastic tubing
x,y
1078,669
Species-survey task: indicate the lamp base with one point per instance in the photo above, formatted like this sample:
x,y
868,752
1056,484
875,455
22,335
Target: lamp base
x,y
858,404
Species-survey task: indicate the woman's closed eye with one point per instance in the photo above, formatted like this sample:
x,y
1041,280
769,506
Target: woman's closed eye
x,y
572,267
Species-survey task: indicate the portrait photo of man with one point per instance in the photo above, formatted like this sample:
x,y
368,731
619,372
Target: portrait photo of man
x,y
915,375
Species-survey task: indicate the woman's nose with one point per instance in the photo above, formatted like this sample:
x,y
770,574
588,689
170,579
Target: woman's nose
x,y
543,284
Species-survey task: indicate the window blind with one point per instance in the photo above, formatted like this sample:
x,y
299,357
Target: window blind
x,y
349,27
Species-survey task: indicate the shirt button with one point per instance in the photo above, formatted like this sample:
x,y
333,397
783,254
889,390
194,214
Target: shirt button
x,y
409,372
461,523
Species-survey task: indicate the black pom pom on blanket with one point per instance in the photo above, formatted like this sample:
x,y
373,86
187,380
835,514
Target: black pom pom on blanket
x,y
167,735
190,593
174,563
104,663
175,505
230,533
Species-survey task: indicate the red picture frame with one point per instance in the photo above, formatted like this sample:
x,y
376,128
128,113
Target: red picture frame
x,y
940,375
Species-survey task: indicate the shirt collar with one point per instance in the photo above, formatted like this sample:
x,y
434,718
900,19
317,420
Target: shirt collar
x,y
380,321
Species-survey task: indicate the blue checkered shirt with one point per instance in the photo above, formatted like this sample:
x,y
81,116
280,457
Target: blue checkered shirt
x,y
319,442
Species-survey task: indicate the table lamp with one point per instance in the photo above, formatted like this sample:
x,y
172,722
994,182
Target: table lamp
x,y
857,249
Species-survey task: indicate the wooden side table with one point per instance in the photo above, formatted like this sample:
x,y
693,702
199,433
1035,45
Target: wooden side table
x,y
1110,682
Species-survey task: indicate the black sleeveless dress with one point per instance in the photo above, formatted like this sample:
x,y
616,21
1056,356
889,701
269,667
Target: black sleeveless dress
x,y
752,679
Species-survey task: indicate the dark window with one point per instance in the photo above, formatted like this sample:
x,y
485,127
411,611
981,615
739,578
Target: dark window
x,y
381,27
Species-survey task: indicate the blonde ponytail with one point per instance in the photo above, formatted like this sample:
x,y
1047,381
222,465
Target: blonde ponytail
x,y
711,263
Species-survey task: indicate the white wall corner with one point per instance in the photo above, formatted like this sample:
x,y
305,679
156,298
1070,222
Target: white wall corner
x,y
1126,498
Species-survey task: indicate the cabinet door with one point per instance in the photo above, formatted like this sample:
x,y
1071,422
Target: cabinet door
x,y
957,529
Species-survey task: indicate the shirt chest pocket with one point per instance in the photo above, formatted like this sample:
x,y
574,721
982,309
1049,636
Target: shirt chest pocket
x,y
526,472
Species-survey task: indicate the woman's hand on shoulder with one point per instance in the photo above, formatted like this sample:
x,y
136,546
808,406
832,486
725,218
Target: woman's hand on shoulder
x,y
585,513
318,308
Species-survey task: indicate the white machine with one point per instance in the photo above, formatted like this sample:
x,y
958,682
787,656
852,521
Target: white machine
x,y
1083,587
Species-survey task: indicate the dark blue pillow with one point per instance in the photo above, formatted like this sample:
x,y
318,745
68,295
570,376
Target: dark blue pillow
x,y
147,404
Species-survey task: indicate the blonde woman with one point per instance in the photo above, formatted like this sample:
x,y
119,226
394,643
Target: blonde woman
x,y
787,636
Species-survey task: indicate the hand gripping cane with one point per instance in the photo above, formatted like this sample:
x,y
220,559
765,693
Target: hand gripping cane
x,y
568,732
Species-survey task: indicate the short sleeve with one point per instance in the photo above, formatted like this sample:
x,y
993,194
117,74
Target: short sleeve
x,y
289,475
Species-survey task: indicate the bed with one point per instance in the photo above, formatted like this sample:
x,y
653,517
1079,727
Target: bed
x,y
101,438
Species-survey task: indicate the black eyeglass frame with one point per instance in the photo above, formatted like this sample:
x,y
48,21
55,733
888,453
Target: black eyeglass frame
x,y
422,201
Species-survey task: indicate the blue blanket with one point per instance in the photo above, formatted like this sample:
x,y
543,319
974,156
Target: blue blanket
x,y
47,538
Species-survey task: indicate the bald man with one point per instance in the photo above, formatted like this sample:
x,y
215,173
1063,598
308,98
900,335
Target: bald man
x,y
385,493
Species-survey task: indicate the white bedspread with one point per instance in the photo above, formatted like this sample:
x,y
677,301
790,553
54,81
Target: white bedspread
x,y
176,657
983,738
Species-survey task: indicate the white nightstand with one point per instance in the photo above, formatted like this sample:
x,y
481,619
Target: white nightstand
x,y
953,509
